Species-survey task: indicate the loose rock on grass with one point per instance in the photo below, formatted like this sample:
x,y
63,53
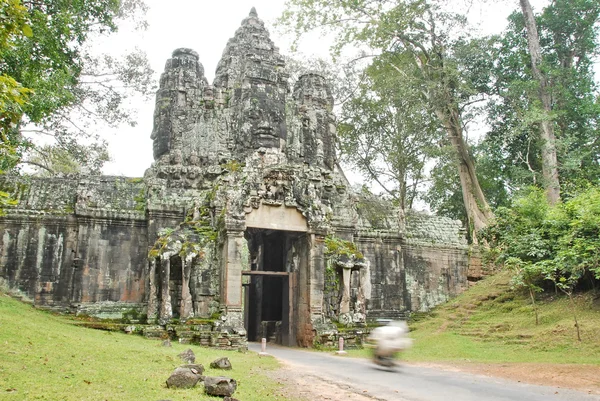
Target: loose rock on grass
x,y
221,363
219,386
184,378
188,356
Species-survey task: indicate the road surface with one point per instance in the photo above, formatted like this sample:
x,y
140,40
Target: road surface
x,y
413,383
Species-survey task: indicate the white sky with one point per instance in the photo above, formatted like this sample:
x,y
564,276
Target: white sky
x,y
205,26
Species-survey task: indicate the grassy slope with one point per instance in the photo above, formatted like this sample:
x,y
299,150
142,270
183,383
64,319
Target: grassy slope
x,y
42,357
492,323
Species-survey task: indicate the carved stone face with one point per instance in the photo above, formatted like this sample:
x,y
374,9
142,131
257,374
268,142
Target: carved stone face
x,y
176,158
263,120
161,132
193,159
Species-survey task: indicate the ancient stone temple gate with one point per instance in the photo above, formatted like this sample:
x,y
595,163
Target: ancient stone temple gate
x,y
244,218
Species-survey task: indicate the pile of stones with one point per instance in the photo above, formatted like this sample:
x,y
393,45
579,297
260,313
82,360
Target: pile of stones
x,y
190,375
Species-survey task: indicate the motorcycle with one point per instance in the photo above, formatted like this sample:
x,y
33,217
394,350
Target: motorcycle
x,y
387,342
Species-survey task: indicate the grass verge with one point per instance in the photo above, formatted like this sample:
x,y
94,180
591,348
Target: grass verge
x,y
493,323
43,357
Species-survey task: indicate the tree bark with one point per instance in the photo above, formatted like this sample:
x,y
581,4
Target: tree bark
x,y
549,160
477,208
535,309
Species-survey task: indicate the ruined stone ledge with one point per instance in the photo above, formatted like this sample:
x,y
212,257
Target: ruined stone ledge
x,y
420,243
121,222
108,309
353,339
176,213
110,214
384,235
23,217
375,315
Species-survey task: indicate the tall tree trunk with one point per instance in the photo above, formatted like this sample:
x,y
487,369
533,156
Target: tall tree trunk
x,y
549,161
535,309
478,210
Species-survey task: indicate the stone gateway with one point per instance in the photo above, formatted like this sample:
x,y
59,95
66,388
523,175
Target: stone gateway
x,y
244,218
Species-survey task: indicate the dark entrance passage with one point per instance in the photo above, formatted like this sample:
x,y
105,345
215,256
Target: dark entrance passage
x,y
269,285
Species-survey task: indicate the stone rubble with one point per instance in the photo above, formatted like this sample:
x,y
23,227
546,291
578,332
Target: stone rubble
x,y
221,363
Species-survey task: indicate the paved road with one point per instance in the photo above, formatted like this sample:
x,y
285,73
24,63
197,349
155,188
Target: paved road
x,y
412,383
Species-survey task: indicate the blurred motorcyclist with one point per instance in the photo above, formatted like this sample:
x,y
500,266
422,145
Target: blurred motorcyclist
x,y
387,341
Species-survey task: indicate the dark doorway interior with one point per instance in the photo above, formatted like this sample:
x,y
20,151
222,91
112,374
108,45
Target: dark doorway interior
x,y
175,283
268,301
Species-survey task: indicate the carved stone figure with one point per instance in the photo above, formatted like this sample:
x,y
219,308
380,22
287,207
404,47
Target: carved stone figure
x,y
315,102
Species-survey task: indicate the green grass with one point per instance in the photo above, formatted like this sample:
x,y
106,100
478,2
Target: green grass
x,y
44,357
493,323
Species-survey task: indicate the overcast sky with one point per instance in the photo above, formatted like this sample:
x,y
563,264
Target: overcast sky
x,y
205,26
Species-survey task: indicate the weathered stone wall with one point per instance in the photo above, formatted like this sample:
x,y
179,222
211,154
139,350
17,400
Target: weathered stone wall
x,y
37,257
436,260
71,242
387,276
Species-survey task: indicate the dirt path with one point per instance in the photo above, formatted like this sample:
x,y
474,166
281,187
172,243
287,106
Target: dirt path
x,y
585,378
298,384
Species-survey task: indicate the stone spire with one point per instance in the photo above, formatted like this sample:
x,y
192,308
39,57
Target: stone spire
x,y
250,53
252,74
177,100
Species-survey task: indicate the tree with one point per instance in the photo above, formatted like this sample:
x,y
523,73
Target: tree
x,y
568,43
549,161
51,160
418,41
13,96
388,133
66,82
557,243
528,276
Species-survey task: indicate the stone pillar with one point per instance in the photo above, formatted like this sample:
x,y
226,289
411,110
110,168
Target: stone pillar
x,y
232,294
186,309
311,281
166,311
317,276
152,291
345,303
364,290
232,291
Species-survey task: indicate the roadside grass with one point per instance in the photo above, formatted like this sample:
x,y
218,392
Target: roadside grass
x,y
493,323
44,357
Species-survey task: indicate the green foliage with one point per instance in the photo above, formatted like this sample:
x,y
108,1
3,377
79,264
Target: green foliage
x,y
374,208
444,195
426,72
140,198
569,42
232,166
387,132
74,158
336,247
14,23
51,85
563,240
193,234
541,243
